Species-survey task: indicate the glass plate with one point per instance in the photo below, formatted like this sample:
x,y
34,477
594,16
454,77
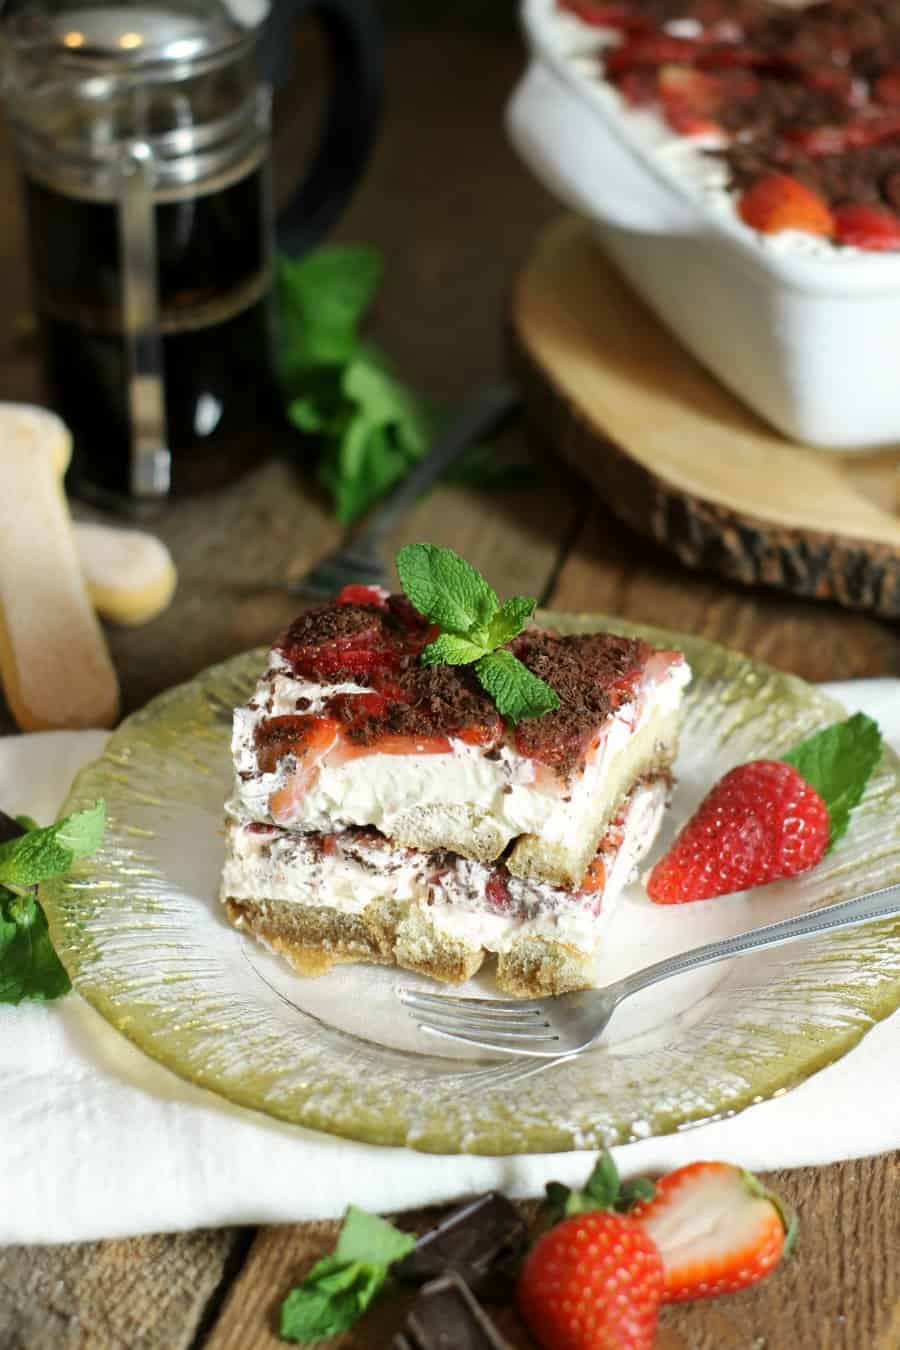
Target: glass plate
x,y
141,933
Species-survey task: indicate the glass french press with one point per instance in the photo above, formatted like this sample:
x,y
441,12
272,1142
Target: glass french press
x,y
143,135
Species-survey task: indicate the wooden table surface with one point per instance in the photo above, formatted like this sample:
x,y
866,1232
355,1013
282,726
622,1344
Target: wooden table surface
x,y
455,215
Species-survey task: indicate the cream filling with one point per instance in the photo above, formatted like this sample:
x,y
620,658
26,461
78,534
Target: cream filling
x,y
389,791
451,893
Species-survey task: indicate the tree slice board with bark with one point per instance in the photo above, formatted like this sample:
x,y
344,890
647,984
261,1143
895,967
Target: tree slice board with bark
x,y
678,457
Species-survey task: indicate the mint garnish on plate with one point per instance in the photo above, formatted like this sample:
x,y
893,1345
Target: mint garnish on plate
x,y
29,967
452,593
838,762
339,1288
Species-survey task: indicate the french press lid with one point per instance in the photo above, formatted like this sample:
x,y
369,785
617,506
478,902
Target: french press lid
x,y
115,38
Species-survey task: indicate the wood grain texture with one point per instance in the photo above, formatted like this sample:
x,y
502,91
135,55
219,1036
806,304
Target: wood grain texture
x,y
678,457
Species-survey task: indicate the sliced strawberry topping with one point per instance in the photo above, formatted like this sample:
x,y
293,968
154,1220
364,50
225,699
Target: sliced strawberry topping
x,y
653,51
347,642
638,87
870,227
355,594
887,88
689,98
280,736
779,202
389,743
497,889
605,15
594,878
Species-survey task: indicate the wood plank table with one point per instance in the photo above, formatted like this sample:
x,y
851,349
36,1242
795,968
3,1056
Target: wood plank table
x,y
455,216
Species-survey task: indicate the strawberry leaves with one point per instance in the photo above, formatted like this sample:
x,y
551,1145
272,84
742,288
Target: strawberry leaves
x,y
603,1190
451,593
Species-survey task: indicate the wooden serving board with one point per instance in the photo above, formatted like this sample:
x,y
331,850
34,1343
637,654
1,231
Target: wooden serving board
x,y
679,457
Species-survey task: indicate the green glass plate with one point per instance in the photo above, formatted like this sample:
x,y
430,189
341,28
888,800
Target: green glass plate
x,y
142,935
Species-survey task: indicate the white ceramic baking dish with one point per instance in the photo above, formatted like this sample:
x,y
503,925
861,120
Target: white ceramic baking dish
x,y
806,333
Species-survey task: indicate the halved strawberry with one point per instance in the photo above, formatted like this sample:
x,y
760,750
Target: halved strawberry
x,y
717,1230
870,227
776,201
763,821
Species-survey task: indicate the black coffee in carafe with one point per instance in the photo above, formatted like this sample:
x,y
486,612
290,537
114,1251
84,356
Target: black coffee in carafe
x,y
144,136
215,326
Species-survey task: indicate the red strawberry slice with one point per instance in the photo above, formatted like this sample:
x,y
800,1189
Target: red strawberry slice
x,y
280,736
759,823
355,594
638,87
870,227
689,99
717,1230
887,88
652,51
605,15
854,135
593,1282
777,202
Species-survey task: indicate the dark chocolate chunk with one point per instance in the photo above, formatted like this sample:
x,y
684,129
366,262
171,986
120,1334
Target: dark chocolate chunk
x,y
446,1316
9,828
482,1241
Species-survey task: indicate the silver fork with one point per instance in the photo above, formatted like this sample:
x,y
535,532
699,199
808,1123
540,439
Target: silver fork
x,y
571,1023
358,557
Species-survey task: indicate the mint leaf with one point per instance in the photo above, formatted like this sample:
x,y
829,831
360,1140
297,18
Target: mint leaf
x,y
447,589
452,650
510,619
517,693
322,299
838,762
366,1237
339,1288
331,1299
29,967
27,823
43,853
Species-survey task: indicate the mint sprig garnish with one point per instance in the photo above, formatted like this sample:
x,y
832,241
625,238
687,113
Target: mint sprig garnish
x,y
838,762
339,1288
29,967
452,593
371,428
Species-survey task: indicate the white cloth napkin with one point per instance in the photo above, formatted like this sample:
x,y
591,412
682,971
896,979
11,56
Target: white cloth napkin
x,y
100,1141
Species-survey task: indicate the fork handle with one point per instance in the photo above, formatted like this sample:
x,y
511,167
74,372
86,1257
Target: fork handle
x,y
880,904
478,416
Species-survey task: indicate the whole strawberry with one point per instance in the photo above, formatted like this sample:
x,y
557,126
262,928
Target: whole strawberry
x,y
594,1282
763,821
717,1230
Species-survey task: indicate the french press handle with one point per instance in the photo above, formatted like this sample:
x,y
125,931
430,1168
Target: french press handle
x,y
353,37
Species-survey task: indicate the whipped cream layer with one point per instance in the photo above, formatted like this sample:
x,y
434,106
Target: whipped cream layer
x,y
467,800
460,897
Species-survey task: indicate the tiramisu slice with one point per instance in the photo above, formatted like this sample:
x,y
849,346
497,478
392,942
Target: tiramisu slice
x,y
426,784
